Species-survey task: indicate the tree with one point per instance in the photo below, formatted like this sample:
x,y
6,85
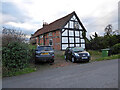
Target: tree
x,y
11,35
108,29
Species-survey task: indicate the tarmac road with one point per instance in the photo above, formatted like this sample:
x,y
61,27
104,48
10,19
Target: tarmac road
x,y
102,74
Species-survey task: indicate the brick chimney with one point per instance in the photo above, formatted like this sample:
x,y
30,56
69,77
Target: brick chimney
x,y
45,24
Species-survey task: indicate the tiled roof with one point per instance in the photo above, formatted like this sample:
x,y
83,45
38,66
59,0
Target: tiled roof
x,y
58,24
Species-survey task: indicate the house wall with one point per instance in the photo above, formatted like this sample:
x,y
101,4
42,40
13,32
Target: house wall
x,y
55,37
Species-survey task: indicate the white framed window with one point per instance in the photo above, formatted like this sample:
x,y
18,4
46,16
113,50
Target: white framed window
x,y
82,41
76,33
50,34
64,46
77,40
64,39
77,45
83,45
50,42
71,45
81,34
71,33
65,33
71,39
71,24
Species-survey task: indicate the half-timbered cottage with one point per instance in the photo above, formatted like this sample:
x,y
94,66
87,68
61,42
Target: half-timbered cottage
x,y
65,32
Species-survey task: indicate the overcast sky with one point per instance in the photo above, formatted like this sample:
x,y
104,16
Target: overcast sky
x,y
29,15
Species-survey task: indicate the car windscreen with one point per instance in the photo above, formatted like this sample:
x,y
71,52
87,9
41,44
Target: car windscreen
x,y
45,48
78,49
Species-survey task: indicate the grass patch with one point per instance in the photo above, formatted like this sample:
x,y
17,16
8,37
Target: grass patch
x,y
109,57
97,56
19,72
59,56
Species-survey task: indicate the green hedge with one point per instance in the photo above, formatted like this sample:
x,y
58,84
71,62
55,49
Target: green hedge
x,y
15,56
116,49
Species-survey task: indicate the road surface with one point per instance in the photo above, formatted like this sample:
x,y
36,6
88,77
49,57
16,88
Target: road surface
x,y
102,74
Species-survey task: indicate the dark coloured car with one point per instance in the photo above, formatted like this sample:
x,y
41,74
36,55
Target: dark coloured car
x,y
75,54
44,54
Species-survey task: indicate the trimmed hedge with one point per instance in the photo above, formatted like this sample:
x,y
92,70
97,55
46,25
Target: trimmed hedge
x,y
15,56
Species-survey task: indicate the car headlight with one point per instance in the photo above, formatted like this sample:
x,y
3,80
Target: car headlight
x,y
88,54
76,54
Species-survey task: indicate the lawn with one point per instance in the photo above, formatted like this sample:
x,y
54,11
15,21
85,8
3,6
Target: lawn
x,y
19,72
97,56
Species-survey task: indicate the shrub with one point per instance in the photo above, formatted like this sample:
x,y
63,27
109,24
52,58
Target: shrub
x,y
32,52
116,49
15,56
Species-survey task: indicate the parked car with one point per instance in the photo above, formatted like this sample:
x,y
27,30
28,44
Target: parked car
x,y
44,54
75,54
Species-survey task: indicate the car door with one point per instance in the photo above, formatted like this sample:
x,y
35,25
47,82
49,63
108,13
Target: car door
x,y
69,54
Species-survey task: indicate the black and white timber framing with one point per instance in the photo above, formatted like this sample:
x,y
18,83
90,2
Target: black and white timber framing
x,y
71,33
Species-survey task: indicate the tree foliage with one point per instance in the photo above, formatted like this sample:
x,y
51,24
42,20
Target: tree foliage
x,y
11,35
15,52
101,42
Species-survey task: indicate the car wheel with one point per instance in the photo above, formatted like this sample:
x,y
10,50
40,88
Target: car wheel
x,y
87,60
52,61
73,59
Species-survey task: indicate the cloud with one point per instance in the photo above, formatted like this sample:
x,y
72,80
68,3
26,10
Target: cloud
x,y
29,15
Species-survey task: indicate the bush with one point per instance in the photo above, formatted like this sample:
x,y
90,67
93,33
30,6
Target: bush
x,y
116,49
32,52
15,56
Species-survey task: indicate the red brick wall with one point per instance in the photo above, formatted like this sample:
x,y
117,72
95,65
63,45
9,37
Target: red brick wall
x,y
37,40
56,37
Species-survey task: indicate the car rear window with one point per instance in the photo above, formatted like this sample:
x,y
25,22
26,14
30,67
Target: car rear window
x,y
76,49
44,48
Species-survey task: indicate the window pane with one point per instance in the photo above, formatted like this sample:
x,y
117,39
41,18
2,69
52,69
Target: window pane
x,y
77,40
50,42
71,40
71,33
71,45
64,39
65,33
64,46
77,45
83,45
82,41
76,33
71,24
81,34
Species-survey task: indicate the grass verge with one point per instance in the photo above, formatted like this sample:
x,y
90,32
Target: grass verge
x,y
19,72
97,56
109,58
